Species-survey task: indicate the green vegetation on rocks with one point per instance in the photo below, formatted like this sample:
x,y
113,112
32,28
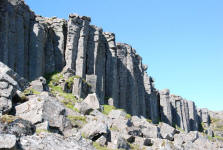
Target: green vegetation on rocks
x,y
38,131
108,109
53,81
30,91
77,118
7,118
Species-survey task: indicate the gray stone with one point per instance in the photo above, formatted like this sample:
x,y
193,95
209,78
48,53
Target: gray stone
x,y
166,131
209,132
115,114
10,82
111,78
111,101
182,138
43,126
193,116
205,118
15,126
43,108
50,141
150,132
165,107
182,114
7,141
39,84
92,101
94,130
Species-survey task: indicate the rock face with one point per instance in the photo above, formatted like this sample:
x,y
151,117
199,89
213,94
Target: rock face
x,y
165,106
34,46
98,70
54,43
7,141
10,82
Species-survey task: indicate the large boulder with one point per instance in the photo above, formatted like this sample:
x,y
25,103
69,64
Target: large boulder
x,y
43,108
16,126
148,130
50,141
182,138
92,100
94,130
7,141
39,84
118,141
166,131
115,114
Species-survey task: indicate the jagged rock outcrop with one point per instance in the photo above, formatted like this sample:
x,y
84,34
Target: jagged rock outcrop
x,y
184,113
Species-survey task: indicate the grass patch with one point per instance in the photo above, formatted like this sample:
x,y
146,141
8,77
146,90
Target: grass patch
x,y
128,116
136,147
213,139
149,120
30,91
70,81
77,120
214,120
108,109
7,118
218,128
53,80
114,128
219,138
70,104
38,131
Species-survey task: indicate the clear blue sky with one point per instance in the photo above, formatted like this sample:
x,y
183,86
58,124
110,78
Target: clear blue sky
x,y
180,41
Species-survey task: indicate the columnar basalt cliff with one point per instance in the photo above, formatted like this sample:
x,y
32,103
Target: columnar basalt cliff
x,y
34,46
94,91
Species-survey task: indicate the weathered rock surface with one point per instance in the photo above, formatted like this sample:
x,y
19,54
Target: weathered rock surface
x,y
7,141
165,106
10,82
39,84
49,141
167,132
15,126
43,108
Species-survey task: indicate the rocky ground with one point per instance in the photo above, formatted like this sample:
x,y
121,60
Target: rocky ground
x,y
43,114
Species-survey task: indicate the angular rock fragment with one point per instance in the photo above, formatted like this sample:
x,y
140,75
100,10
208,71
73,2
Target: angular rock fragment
x,y
99,129
167,132
43,108
7,141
